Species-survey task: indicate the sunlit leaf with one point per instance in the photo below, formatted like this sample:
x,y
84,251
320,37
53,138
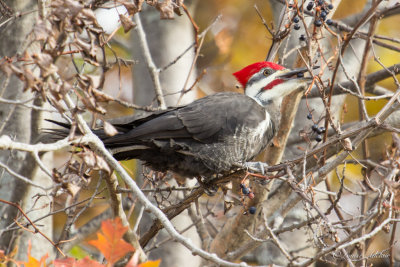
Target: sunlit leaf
x,y
110,241
150,264
33,262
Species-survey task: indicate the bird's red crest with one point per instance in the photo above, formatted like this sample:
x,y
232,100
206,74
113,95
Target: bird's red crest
x,y
244,74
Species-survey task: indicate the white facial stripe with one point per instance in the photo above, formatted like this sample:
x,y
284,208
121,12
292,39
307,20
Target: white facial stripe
x,y
256,91
254,88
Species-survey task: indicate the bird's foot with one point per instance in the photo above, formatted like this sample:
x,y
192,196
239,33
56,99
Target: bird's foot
x,y
256,167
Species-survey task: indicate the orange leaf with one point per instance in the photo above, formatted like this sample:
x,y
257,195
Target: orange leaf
x,y
71,262
150,264
32,262
135,258
110,241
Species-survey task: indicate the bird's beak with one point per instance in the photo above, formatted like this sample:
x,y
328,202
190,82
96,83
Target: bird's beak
x,y
289,74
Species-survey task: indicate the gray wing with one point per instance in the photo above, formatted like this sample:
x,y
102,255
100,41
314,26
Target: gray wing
x,y
205,120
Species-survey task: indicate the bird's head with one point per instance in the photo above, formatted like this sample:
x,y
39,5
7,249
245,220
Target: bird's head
x,y
267,81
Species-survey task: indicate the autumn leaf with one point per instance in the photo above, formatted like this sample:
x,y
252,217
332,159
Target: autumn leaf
x,y
33,262
133,262
126,23
150,264
109,129
71,262
110,241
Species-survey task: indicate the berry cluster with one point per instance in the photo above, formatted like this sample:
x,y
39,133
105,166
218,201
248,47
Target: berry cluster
x,y
322,9
246,191
316,129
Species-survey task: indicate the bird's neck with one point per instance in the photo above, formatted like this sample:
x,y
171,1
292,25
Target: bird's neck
x,y
273,107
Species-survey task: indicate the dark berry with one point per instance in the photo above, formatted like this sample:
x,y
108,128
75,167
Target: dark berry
x,y
242,185
245,191
296,19
321,130
252,210
318,138
323,15
309,116
329,22
296,27
318,23
300,75
330,6
302,37
310,6
314,127
320,2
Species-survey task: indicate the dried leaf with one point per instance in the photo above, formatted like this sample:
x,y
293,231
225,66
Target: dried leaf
x,y
109,129
89,14
101,96
127,23
110,241
139,4
45,63
74,7
89,158
102,164
131,8
347,145
177,11
86,47
41,30
166,9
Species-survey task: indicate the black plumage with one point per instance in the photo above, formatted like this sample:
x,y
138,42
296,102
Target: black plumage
x,y
208,136
211,135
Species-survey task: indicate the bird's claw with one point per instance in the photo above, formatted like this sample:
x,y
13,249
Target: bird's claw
x,y
256,166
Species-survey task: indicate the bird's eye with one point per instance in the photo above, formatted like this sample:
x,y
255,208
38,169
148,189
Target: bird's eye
x,y
266,72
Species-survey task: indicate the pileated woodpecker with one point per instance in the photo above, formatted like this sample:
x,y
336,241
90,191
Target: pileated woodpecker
x,y
214,134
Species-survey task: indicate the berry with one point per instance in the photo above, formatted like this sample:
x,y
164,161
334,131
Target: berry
x,y
296,19
251,195
300,75
245,191
318,23
329,22
252,210
318,138
321,130
320,2
310,6
323,15
302,37
330,6
314,127
309,116
296,27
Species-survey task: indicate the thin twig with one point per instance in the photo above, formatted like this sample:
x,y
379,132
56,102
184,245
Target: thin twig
x,y
154,72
